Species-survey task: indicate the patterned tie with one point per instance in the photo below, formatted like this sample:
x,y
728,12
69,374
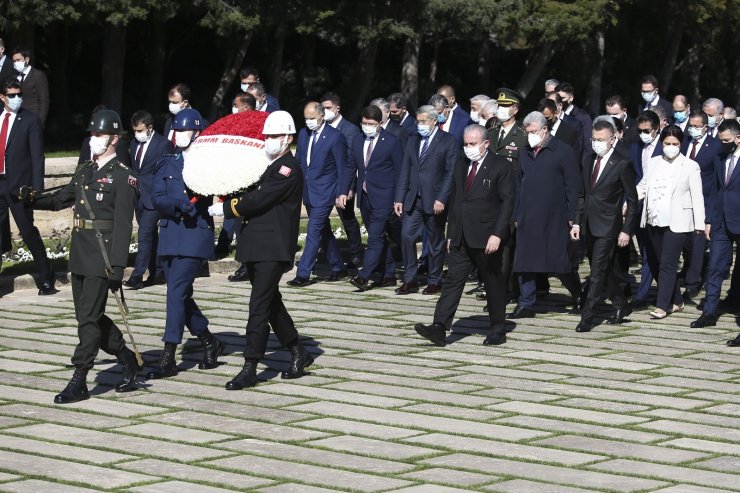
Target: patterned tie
x,y
730,166
139,152
3,141
471,176
424,148
369,152
595,174
693,150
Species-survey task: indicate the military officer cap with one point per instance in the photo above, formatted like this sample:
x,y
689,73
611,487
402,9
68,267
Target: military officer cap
x,y
508,97
105,122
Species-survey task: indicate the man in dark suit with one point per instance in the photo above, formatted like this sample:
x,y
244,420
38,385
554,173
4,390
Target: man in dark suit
x,y
322,153
146,152
34,84
558,129
458,112
421,197
377,160
450,121
608,182
6,64
22,164
178,99
681,111
616,107
481,204
271,212
333,115
249,76
566,91
704,149
650,92
398,107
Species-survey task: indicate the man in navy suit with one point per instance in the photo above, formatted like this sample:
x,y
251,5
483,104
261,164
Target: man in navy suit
x,y
264,103
146,151
650,92
422,194
561,131
702,148
723,227
322,153
377,161
458,118
22,164
715,109
448,120
34,84
681,111
6,64
333,115
566,91
616,107
399,112
249,76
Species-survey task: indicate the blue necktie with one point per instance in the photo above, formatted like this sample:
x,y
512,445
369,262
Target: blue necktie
x,y
424,148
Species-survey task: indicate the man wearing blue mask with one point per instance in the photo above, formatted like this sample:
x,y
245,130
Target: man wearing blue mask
x,y
248,77
650,92
714,108
681,111
447,120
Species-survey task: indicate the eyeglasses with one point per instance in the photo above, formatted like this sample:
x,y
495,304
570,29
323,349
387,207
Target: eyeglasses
x,y
646,130
15,95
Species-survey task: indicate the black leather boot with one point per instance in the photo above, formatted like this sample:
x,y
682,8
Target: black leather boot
x,y
129,370
166,367
300,359
247,377
212,347
76,389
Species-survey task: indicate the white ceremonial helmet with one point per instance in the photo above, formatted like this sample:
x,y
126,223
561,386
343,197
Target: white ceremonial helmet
x,y
279,123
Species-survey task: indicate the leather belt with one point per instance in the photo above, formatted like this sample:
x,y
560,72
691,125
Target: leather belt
x,y
101,224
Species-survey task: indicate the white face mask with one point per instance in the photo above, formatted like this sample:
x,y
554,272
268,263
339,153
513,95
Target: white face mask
x,y
275,145
502,113
670,151
329,115
312,124
648,96
98,145
370,130
175,108
15,103
599,147
534,140
142,136
234,110
19,66
244,87
475,116
473,153
695,133
646,138
183,138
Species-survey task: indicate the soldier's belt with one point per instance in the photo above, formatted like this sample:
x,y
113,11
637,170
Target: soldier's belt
x,y
101,224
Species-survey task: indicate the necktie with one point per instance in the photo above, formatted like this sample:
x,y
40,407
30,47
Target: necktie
x,y
139,152
173,140
3,140
730,166
314,138
693,150
501,137
21,77
369,151
424,148
471,176
595,174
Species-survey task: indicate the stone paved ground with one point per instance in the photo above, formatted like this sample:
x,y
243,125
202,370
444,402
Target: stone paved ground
x,y
650,406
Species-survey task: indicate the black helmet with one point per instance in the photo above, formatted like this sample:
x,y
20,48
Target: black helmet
x,y
106,122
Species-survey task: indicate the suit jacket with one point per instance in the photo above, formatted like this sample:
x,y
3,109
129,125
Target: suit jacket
x,y
705,157
380,176
181,233
571,136
7,71
624,149
637,148
726,204
35,88
663,103
272,103
460,120
122,151
430,179
600,207
324,177
409,124
24,152
486,208
396,129
687,201
584,121
630,130
350,132
158,147
271,210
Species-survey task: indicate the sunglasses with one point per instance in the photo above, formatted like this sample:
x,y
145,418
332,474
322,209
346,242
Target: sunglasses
x,y
645,130
16,95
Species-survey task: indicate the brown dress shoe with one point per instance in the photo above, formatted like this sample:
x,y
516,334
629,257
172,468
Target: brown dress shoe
x,y
432,289
407,288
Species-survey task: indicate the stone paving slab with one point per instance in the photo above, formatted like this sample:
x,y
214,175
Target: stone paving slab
x,y
348,427
185,472
37,485
525,486
63,416
450,476
295,488
622,449
61,451
178,487
671,473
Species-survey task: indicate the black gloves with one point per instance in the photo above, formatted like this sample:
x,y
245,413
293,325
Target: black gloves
x,y
115,279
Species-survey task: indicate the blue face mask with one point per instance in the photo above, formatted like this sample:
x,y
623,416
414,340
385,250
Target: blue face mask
x,y
423,130
681,116
712,121
441,118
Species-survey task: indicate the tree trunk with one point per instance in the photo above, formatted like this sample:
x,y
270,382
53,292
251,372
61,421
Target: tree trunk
x,y
114,57
484,70
365,73
410,70
594,98
59,72
535,66
694,64
156,51
308,65
277,70
433,66
676,27
231,69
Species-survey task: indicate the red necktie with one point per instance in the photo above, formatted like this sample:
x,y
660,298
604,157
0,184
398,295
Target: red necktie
x,y
595,174
138,154
3,140
693,150
471,176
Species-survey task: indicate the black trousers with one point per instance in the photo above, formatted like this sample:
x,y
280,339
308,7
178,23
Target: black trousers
x,y
695,259
666,246
459,262
266,306
23,218
95,330
600,252
351,227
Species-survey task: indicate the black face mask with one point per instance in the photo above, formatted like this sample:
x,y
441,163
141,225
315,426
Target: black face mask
x,y
566,105
396,118
728,147
551,122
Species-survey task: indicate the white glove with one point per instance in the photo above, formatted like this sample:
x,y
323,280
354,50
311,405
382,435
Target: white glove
x,y
216,209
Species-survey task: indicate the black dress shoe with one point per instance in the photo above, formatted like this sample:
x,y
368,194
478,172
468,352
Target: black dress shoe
x,y
432,289
300,359
619,316
734,342
386,282
639,304
521,312
584,326
134,282
436,333
337,276
495,338
360,283
239,275
247,377
129,369
76,389
154,281
299,282
705,320
407,288
47,288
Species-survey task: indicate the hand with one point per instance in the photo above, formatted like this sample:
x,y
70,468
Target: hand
x,y
185,206
342,201
448,245
493,243
216,209
398,208
26,195
707,230
699,232
575,232
115,279
439,207
350,194
623,240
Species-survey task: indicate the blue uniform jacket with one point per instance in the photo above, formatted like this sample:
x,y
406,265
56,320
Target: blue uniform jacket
x,y
726,203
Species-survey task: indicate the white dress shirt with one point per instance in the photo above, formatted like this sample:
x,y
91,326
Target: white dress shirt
x,y
311,137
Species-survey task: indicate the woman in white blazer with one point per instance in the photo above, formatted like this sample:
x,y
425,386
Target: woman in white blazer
x,y
673,209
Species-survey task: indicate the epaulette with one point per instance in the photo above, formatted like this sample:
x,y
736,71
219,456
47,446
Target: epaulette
x,y
81,165
123,166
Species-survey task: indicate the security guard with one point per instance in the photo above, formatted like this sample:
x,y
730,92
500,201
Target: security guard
x,y
104,193
271,210
185,241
